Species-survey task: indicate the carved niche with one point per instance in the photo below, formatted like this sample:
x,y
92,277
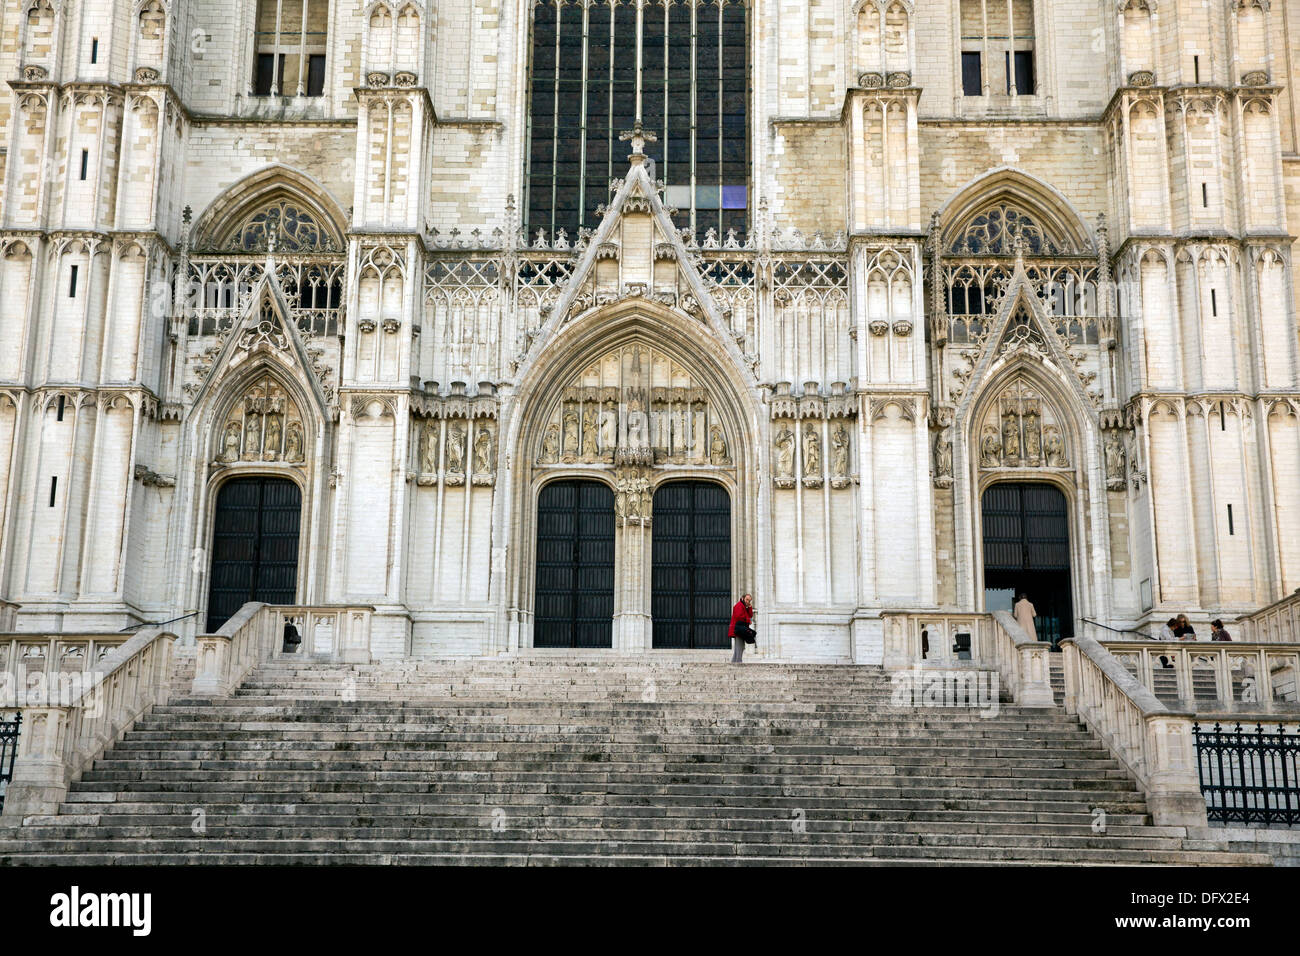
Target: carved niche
x,y
263,425
635,406
1021,430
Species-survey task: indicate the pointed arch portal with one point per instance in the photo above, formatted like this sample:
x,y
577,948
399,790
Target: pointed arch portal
x,y
254,545
1027,550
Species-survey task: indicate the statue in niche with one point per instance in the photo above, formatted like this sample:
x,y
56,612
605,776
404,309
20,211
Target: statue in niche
x,y
570,433
840,451
990,448
273,435
252,437
590,449
230,447
1053,447
483,451
551,444
717,446
1031,436
293,443
456,449
785,453
943,456
812,452
1114,452
429,449
1010,438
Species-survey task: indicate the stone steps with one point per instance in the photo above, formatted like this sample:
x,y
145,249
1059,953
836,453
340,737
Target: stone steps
x,y
546,761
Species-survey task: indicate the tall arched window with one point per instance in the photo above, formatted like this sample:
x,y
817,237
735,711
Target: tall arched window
x,y
680,66
290,48
997,47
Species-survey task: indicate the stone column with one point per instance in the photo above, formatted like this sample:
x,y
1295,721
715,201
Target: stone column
x,y
632,506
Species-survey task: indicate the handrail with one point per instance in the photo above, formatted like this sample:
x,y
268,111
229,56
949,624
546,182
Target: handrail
x,y
1152,741
60,740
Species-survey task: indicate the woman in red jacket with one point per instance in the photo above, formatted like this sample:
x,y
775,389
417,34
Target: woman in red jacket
x,y
742,631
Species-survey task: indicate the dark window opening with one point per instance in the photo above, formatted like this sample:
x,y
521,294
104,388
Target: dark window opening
x,y
1231,529
971,84
54,487
1205,195
85,162
683,67
316,74
1214,303
1196,70
94,49
58,416
1223,422
1024,72
265,80
72,284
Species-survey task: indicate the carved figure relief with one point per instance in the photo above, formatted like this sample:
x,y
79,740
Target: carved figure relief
x,y
785,458
839,456
942,460
455,453
263,425
1021,430
551,445
1115,456
718,447
632,498
812,456
483,457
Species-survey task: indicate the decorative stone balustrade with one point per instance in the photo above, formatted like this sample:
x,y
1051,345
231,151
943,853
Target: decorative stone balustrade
x,y
39,668
1153,742
256,634
61,738
1279,623
1228,677
995,642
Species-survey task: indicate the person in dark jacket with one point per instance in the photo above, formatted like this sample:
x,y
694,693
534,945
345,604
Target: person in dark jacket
x,y
741,631
1218,632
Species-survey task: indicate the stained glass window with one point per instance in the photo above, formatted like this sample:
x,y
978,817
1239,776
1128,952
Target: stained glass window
x,y
681,66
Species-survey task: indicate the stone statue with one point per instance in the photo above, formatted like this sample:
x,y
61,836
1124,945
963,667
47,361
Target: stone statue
x,y
812,452
456,449
990,448
840,451
252,437
717,446
293,443
570,431
1031,436
1114,451
785,454
1010,438
273,434
551,444
483,451
230,449
429,452
589,447
1053,447
942,457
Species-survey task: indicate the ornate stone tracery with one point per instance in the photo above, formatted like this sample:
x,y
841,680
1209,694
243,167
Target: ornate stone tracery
x,y
263,425
1021,429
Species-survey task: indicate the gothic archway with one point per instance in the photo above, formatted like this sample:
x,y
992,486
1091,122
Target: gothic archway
x,y
635,395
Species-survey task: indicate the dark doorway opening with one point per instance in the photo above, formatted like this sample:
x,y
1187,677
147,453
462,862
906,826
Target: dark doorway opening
x,y
1027,549
575,565
254,546
691,565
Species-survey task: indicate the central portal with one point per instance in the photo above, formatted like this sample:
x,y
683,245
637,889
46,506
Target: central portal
x,y
1027,549
691,577
575,565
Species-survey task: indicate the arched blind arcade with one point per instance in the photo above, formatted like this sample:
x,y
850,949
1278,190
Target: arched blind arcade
x,y
681,66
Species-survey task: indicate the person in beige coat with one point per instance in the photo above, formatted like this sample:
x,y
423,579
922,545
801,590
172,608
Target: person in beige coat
x,y
1024,614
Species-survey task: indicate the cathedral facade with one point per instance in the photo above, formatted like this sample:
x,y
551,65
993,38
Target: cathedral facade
x,y
563,323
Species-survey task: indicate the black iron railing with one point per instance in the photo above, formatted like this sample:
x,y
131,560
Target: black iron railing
x,y
1250,777
8,751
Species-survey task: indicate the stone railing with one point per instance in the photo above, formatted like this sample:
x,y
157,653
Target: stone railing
x,y
60,738
34,667
257,632
1279,623
1225,677
1153,742
995,641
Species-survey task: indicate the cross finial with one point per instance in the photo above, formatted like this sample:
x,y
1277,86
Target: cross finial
x,y
639,137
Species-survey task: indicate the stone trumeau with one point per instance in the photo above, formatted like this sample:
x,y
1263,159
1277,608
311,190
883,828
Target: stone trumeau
x,y
563,324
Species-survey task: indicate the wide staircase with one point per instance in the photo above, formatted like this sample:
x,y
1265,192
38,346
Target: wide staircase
x,y
555,760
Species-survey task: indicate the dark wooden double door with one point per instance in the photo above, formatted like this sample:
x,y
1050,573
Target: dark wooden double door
x,y
690,565
1027,549
254,546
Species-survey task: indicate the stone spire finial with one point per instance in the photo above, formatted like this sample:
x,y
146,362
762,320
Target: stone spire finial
x,y
639,137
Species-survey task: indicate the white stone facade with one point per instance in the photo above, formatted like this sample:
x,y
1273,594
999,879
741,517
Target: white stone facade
x,y
1126,227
